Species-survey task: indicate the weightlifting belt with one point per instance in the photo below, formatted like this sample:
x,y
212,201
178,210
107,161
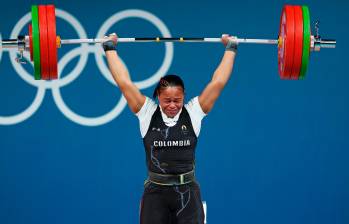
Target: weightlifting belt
x,y
171,179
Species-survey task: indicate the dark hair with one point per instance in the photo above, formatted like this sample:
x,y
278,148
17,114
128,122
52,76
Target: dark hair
x,y
168,81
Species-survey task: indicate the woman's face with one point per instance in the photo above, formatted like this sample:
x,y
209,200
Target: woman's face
x,y
171,100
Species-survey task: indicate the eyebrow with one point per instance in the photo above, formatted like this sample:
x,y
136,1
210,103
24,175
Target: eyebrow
x,y
169,98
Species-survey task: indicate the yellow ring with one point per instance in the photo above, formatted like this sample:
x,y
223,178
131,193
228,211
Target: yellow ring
x,y
280,41
181,39
58,41
158,39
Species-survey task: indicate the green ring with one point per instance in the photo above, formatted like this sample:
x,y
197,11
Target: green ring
x,y
306,41
36,42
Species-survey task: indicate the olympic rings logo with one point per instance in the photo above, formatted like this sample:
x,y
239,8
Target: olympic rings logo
x,y
83,51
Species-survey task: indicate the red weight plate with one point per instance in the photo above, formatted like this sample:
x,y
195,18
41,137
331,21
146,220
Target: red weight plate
x,y
31,42
52,44
286,42
298,42
44,59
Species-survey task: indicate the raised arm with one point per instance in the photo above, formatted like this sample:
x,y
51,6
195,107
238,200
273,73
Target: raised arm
x,y
221,75
134,97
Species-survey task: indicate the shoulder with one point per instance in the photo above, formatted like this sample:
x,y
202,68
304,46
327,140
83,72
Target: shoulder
x,y
196,114
194,108
145,115
147,109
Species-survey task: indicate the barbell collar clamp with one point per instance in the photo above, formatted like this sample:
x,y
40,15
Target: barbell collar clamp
x,y
319,43
21,43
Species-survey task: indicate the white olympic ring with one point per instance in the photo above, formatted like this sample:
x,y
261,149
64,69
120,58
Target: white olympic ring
x,y
83,51
0,47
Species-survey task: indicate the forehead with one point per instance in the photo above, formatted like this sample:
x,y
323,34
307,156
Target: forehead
x,y
172,91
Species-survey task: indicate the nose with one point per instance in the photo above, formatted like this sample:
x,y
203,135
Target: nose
x,y
172,105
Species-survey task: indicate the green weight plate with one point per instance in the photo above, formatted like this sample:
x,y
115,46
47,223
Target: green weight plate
x,y
36,42
306,41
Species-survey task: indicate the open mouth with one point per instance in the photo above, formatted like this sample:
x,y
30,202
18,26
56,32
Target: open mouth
x,y
172,112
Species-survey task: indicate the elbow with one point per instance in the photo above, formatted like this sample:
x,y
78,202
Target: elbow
x,y
219,84
124,84
135,110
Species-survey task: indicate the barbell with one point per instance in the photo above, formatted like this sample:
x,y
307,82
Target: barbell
x,y
295,42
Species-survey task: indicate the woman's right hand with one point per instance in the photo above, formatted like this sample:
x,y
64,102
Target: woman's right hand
x,y
110,42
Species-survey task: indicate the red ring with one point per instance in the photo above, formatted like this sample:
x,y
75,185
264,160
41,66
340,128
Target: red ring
x,y
44,58
31,42
52,44
298,43
286,48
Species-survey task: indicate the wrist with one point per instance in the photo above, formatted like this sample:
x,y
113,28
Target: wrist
x,y
231,46
109,45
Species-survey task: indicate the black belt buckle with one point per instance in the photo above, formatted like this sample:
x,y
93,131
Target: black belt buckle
x,y
181,178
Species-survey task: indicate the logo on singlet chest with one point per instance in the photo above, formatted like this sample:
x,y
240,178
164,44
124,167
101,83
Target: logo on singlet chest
x,y
178,143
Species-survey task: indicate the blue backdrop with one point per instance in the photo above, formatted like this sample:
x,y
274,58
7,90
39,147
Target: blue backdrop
x,y
270,152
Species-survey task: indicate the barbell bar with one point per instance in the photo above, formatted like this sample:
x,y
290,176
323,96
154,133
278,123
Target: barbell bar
x,y
294,42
